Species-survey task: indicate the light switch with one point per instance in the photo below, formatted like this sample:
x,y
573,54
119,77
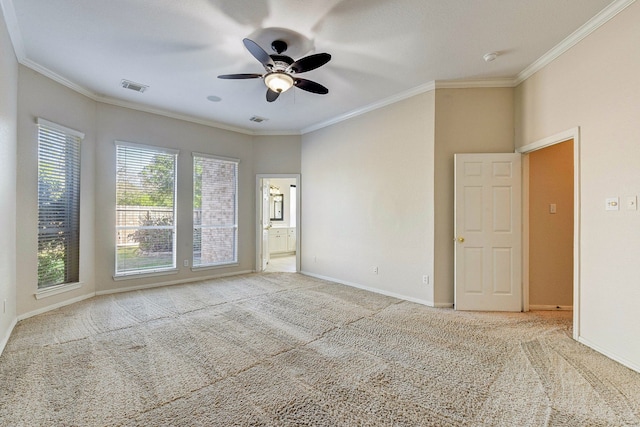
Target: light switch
x,y
552,208
632,203
612,204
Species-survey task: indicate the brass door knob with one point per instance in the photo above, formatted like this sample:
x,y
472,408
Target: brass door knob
x,y
460,239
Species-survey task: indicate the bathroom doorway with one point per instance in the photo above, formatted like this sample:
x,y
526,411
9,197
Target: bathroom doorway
x,y
277,225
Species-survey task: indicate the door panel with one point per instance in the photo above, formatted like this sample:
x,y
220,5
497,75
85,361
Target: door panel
x,y
265,223
488,232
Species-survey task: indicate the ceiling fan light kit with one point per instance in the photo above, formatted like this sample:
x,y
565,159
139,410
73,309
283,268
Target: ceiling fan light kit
x,y
278,81
281,70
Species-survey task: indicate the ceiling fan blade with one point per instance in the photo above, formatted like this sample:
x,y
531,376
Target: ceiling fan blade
x,y
258,53
240,76
309,63
272,95
310,86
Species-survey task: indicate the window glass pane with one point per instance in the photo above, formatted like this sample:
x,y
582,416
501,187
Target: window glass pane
x,y
215,216
145,210
58,207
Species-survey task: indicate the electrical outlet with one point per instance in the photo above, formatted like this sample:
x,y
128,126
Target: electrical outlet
x,y
375,270
185,263
425,279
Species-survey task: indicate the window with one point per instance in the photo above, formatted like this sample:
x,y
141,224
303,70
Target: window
x,y
215,210
58,204
145,209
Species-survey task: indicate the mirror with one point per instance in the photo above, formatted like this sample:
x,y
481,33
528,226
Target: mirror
x,y
278,207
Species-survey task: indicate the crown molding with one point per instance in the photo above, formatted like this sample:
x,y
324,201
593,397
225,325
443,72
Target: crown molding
x,y
10,18
58,78
171,115
371,107
126,104
277,133
574,38
590,26
476,83
433,85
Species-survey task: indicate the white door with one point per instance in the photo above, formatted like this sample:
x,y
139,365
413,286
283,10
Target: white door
x,y
488,235
265,223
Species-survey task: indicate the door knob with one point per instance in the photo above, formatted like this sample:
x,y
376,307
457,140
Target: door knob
x,y
460,239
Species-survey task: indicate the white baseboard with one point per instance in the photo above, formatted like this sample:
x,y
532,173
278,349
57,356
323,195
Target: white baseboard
x,y
54,306
610,354
5,338
173,282
550,307
370,289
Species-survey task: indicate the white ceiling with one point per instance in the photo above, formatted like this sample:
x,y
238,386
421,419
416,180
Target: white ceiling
x,y
381,49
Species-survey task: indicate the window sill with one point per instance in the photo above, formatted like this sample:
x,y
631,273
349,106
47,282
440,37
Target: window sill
x,y
214,266
57,289
129,276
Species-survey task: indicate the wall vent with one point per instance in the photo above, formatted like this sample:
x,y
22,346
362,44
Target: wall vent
x,y
258,119
127,84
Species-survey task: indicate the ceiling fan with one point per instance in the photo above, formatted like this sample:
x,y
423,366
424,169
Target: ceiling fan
x,y
281,70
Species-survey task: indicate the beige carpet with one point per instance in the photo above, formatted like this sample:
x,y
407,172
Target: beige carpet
x,y
282,349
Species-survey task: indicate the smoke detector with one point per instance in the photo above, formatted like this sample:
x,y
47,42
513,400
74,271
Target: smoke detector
x,y
127,84
491,56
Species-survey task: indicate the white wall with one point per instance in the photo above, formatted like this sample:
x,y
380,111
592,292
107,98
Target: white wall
x,y
8,147
595,86
39,96
367,199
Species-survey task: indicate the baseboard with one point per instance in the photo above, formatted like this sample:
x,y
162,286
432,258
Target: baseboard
x,y
550,307
5,338
611,355
54,306
370,289
443,305
282,254
173,282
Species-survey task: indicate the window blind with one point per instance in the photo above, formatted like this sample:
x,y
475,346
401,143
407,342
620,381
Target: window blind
x,y
58,204
145,209
215,210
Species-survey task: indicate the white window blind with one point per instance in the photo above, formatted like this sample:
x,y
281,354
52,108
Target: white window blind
x,y
145,209
215,210
58,204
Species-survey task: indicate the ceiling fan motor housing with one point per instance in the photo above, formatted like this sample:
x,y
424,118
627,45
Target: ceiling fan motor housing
x,y
281,62
279,46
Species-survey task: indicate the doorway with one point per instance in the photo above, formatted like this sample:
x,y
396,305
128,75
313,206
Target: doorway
x,y
278,223
551,227
551,224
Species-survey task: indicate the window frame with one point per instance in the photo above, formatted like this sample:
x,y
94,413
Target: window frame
x,y
146,272
71,212
234,226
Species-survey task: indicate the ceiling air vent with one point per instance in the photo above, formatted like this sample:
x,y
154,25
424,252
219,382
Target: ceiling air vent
x,y
127,84
257,119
